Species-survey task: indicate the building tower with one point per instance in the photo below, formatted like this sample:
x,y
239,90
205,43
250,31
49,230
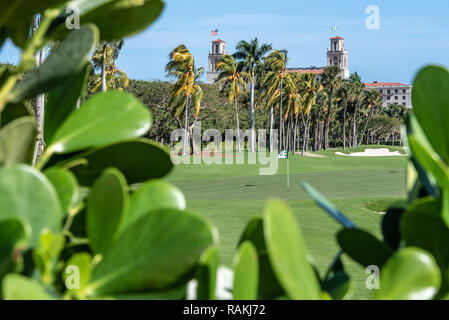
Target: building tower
x,y
218,50
337,55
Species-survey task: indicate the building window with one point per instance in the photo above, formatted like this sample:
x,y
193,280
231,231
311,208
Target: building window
x,y
396,91
404,98
403,103
388,91
388,98
404,91
396,98
381,91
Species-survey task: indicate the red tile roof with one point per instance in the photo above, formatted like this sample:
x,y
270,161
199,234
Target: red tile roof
x,y
218,40
305,71
384,84
337,38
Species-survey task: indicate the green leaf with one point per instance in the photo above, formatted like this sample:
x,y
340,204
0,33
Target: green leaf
x,y
423,227
135,16
16,13
391,229
77,273
14,236
13,111
430,161
62,101
246,272
66,186
328,206
105,118
288,253
269,286
17,287
155,253
337,282
68,58
206,274
107,206
154,195
17,141
363,247
26,193
431,106
410,274
145,161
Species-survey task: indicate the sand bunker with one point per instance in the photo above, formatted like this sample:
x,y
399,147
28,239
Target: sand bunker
x,y
311,155
373,153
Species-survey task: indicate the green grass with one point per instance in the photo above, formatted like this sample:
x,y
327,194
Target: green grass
x,y
230,195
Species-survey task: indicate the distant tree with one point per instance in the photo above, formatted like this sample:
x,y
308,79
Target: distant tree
x,y
231,81
250,54
104,60
332,82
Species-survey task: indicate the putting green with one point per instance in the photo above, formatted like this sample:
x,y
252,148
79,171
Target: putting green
x,y
230,195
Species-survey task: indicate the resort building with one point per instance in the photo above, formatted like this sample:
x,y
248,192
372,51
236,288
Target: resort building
x,y
215,54
392,92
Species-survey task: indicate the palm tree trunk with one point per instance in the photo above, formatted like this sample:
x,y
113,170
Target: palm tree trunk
x,y
252,117
103,77
239,149
281,123
344,125
186,128
354,127
271,130
366,126
326,123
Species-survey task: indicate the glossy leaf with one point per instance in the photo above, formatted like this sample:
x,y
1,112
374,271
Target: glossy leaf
x,y
423,227
107,206
154,195
17,287
66,186
288,253
13,111
20,11
105,118
363,247
246,273
17,141
135,15
62,101
431,106
206,274
337,283
14,236
146,161
328,206
391,229
410,274
269,287
38,203
67,59
142,258
77,273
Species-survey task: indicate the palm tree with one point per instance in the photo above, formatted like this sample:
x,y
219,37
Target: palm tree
x,y
332,81
276,73
186,89
344,96
372,99
250,55
231,80
311,89
103,59
358,92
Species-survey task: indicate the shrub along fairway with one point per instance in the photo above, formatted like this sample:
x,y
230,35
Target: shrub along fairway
x,y
229,195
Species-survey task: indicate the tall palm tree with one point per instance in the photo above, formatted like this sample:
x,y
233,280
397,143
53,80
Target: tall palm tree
x,y
186,89
104,57
372,99
231,80
344,97
358,92
250,54
332,81
274,78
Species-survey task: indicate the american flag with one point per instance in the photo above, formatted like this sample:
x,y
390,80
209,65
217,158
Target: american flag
x,y
214,33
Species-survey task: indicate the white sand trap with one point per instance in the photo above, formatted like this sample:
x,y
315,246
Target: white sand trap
x,y
372,153
311,155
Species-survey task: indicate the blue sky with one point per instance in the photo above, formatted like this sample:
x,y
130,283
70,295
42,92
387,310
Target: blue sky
x,y
412,34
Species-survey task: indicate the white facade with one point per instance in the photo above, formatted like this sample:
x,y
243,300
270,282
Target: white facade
x,y
393,92
215,54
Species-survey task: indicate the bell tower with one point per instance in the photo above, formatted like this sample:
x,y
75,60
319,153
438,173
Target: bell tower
x,y
218,50
337,55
